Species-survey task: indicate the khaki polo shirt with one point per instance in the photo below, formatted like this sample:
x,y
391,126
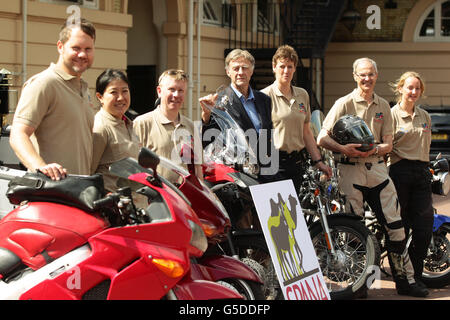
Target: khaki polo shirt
x,y
412,135
60,110
114,140
289,117
377,115
163,137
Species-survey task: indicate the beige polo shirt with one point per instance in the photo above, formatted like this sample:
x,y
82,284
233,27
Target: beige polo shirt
x,y
289,117
412,135
60,110
377,115
163,137
114,140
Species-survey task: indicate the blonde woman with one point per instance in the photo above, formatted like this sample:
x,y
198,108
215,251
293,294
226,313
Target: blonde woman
x,y
409,166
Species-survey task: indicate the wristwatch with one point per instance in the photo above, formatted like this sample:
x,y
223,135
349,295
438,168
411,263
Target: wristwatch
x,y
376,151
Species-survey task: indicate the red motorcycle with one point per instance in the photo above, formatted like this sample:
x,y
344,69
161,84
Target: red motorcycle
x,y
229,169
214,219
67,240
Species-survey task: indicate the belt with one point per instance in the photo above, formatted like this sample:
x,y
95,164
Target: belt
x,y
294,155
368,162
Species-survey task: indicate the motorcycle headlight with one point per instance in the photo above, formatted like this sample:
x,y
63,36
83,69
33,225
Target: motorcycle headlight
x,y
198,238
441,184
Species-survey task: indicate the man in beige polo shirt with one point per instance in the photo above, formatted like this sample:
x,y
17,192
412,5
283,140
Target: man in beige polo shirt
x,y
164,130
52,126
364,175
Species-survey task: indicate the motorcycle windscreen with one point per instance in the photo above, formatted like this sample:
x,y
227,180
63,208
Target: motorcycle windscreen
x,y
316,122
230,146
153,202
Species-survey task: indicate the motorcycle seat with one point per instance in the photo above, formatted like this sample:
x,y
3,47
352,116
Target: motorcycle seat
x,y
75,190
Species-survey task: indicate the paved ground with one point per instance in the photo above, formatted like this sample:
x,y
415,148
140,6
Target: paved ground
x,y
386,285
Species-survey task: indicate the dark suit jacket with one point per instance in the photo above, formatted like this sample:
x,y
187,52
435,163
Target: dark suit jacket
x,y
239,114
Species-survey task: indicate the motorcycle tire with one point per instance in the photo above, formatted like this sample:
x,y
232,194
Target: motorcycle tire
x,y
357,257
436,266
253,249
249,290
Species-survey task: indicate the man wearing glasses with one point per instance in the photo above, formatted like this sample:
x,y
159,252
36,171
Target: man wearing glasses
x,y
364,175
165,130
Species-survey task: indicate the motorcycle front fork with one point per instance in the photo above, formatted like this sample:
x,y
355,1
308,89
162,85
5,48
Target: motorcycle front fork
x,y
325,227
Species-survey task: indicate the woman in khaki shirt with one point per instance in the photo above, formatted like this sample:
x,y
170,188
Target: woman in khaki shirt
x,y
409,166
291,115
114,138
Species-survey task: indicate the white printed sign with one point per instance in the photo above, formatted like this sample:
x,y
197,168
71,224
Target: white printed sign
x,y
289,242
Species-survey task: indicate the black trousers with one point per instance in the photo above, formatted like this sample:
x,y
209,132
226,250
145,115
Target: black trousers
x,y
292,167
412,180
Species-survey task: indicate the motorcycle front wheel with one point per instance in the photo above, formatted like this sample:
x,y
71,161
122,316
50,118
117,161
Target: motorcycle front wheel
x,y
249,290
436,266
357,256
253,251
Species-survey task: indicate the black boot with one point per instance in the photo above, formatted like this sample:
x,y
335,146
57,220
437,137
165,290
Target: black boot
x,y
419,282
414,290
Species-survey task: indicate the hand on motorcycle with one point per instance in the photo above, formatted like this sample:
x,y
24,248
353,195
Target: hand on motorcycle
x,y
54,171
325,169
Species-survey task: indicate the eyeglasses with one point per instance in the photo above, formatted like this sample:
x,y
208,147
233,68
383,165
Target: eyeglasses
x,y
363,75
178,74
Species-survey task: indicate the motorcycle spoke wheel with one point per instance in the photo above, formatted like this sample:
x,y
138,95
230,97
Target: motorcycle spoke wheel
x,y
436,266
356,252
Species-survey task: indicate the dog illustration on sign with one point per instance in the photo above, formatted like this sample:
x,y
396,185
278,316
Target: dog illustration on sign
x,y
281,225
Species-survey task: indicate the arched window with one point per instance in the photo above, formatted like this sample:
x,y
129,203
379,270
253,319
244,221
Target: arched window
x,y
434,25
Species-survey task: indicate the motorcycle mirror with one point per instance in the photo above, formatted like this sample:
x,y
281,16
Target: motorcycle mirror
x,y
441,165
148,159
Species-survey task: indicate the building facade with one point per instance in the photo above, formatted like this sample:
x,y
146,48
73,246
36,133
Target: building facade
x,y
145,37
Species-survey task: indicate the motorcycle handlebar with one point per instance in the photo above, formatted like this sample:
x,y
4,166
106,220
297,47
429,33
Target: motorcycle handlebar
x,y
105,202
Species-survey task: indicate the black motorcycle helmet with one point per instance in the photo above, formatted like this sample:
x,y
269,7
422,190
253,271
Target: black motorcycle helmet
x,y
353,129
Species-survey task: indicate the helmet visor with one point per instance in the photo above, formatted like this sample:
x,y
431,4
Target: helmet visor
x,y
361,131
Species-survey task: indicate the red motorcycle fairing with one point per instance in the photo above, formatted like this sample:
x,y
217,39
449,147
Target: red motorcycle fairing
x,y
215,268
121,264
217,172
41,231
189,289
204,206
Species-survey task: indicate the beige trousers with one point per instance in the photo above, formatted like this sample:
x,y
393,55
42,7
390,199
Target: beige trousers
x,y
371,182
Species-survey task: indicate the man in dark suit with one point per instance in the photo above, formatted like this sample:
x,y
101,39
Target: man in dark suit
x,y
250,109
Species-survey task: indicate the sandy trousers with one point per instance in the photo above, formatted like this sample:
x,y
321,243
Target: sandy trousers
x,y
369,181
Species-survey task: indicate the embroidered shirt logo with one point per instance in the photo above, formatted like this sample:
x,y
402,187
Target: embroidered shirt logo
x,y
425,127
302,108
379,116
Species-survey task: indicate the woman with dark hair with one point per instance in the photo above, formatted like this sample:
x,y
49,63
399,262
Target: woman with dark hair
x,y
114,138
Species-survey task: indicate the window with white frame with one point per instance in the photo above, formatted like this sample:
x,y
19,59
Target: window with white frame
x,y
93,4
434,25
217,12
